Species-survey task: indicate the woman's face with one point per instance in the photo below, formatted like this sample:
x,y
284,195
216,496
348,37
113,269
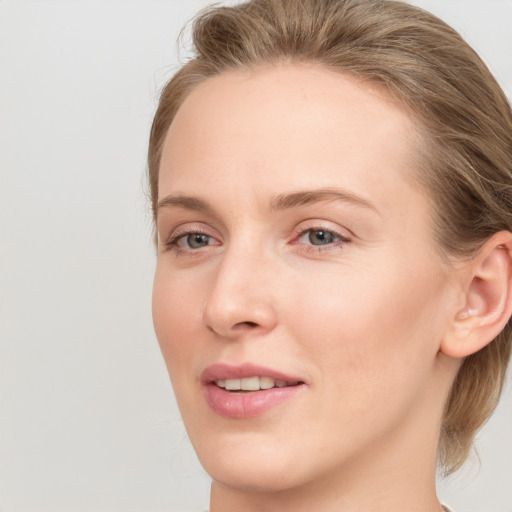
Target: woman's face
x,y
295,247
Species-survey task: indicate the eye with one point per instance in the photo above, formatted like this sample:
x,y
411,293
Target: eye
x,y
195,240
318,237
315,239
190,241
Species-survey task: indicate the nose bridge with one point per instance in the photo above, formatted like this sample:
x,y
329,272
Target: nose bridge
x,y
240,298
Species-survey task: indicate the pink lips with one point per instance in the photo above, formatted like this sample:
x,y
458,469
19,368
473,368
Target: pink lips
x,y
245,405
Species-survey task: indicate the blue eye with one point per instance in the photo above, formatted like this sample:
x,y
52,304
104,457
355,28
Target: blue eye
x,y
190,241
316,240
195,240
319,237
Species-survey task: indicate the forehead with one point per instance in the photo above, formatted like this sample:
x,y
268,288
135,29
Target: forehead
x,y
280,125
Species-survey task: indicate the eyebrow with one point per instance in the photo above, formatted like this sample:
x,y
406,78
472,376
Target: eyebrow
x,y
302,198
185,203
278,203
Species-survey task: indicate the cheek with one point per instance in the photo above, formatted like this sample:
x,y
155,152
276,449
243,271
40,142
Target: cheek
x,y
371,332
175,316
176,319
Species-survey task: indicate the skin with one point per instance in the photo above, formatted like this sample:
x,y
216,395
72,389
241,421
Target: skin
x,y
360,321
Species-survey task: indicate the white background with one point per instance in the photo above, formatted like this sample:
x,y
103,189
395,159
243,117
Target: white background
x,y
88,421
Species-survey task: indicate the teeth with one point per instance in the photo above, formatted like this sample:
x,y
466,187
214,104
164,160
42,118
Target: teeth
x,y
232,384
252,383
266,382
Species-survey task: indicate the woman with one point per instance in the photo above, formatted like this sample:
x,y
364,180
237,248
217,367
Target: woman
x,y
331,187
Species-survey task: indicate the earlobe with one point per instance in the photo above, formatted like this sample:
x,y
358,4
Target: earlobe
x,y
487,299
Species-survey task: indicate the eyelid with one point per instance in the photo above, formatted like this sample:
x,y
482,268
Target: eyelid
x,y
319,225
189,228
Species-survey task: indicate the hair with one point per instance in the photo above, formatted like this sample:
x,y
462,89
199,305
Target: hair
x,y
463,117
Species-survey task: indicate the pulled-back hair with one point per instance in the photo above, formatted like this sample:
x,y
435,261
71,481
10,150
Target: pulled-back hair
x,y
463,116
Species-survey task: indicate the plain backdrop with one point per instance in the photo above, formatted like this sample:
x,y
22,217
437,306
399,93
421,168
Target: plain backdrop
x,y
88,421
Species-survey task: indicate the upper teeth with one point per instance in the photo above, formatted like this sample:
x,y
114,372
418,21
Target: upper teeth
x,y
252,383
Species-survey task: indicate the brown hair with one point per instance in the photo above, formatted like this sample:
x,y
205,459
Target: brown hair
x,y
464,118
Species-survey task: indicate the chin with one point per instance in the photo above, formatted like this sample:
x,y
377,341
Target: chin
x,y
252,470
255,479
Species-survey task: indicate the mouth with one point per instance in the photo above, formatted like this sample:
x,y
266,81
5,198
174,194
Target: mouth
x,y
251,384
248,391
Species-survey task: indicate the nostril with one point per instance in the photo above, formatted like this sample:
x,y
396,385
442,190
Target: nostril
x,y
246,324
240,326
230,317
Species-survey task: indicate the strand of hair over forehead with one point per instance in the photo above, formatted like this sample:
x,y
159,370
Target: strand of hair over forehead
x,y
372,34
298,28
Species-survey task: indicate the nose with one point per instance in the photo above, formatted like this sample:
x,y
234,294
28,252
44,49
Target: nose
x,y
240,302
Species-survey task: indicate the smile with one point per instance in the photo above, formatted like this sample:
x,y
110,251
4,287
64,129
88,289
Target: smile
x,y
253,383
247,391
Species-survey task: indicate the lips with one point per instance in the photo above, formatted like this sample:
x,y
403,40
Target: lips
x,y
247,390
253,383
246,370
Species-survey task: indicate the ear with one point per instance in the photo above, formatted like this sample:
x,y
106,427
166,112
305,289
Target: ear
x,y
487,299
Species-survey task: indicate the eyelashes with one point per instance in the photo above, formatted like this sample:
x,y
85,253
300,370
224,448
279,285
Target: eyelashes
x,y
190,240
310,239
320,238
